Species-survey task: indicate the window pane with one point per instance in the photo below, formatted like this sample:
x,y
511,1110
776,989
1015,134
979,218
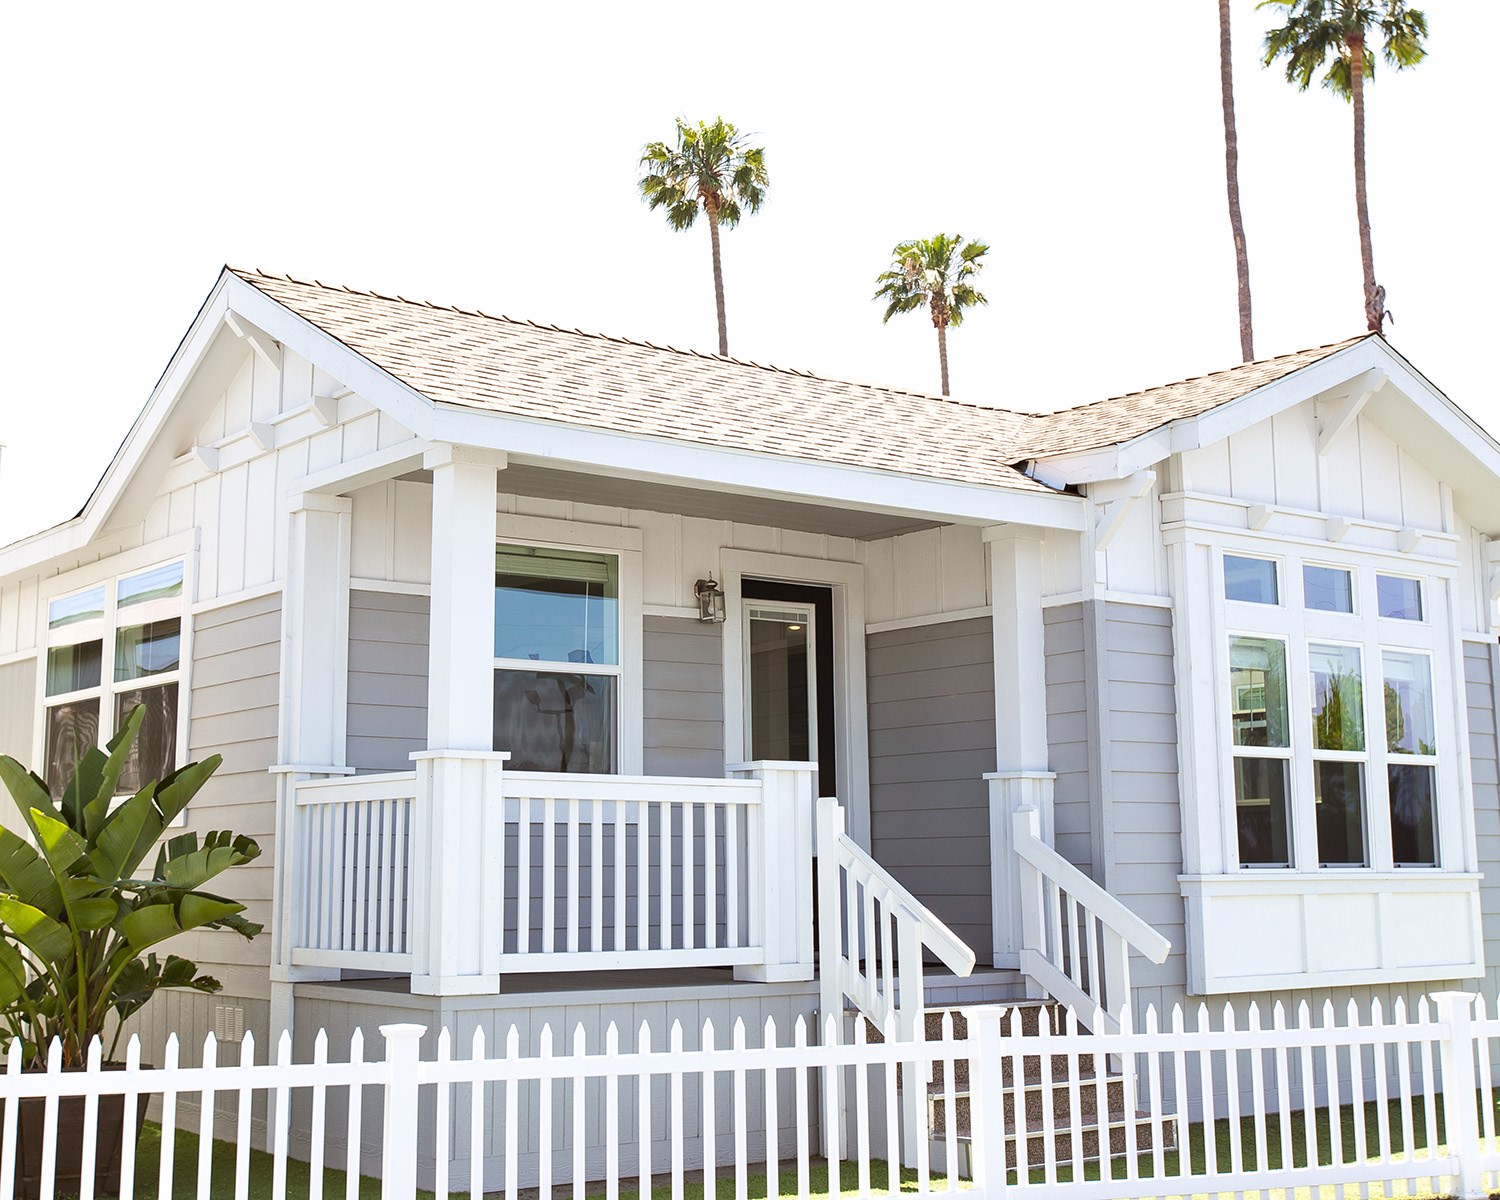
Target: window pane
x,y
73,668
72,730
1338,698
1409,727
780,710
1413,815
1257,691
1252,580
1327,589
86,606
155,751
1339,793
147,649
556,722
1260,788
1398,597
150,585
557,606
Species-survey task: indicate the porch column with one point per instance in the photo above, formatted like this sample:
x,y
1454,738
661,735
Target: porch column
x,y
1021,780
314,678
459,824
780,858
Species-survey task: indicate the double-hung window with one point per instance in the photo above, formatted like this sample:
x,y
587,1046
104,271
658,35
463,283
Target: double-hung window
x,y
110,648
1334,741
557,659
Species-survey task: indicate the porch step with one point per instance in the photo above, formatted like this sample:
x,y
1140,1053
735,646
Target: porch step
x,y
1111,1132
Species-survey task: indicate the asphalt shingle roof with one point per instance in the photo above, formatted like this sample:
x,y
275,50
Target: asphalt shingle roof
x,y
543,372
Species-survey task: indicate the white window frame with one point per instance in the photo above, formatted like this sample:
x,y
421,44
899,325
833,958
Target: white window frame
x,y
1300,627
623,544
808,615
108,573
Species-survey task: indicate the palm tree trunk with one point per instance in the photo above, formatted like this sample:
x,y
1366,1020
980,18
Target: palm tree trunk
x,y
1232,183
713,237
1374,301
942,328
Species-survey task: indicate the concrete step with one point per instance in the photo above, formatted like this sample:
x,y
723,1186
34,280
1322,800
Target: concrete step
x,y
1034,1100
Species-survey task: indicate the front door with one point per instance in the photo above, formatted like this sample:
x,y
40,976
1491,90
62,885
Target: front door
x,y
789,703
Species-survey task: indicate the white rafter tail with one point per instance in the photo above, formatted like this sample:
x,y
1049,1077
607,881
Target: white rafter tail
x,y
207,456
256,338
263,434
1258,516
1114,511
1338,529
1408,540
1350,398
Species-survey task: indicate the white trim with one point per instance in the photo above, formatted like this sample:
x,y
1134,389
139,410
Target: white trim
x,y
359,583
558,531
260,590
16,656
355,473
851,710
687,612
126,562
957,614
1145,599
1479,639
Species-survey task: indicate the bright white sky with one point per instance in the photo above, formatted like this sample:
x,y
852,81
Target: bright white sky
x,y
486,156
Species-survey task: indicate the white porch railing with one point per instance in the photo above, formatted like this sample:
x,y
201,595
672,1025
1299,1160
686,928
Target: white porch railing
x,y
1076,937
352,865
872,933
528,872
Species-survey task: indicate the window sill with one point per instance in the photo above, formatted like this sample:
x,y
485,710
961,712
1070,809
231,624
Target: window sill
x,y
1261,930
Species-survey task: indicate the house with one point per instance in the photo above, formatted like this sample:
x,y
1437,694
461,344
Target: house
x,y
529,652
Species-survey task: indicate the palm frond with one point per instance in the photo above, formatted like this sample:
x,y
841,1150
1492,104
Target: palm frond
x,y
710,161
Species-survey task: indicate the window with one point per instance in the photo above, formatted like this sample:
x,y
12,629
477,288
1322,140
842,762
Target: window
x,y
557,659
1400,598
1338,750
1411,769
1262,750
1251,580
110,648
1327,589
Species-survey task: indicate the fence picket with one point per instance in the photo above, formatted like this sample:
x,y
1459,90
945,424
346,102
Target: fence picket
x,y
675,1115
1283,1086
643,1112
741,1115
1153,1084
1211,1164
804,1123
354,1115
544,1116
710,1116
12,1108
169,1118
442,1103
1258,1093
832,1134
612,1106
580,1085
512,1119
1075,1092
91,1119
859,1137
206,1119
132,1100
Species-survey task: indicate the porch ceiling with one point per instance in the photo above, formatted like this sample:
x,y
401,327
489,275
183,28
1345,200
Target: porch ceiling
x,y
523,480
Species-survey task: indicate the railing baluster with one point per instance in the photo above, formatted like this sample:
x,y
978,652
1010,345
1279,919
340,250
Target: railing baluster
x,y
1054,922
622,846
523,875
689,876
710,878
1074,959
642,877
732,850
596,875
549,875
664,840
396,937
573,867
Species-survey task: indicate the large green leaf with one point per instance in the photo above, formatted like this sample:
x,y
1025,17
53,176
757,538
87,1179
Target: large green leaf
x,y
126,827
95,807
175,793
26,875
154,923
25,787
13,974
49,940
188,866
62,847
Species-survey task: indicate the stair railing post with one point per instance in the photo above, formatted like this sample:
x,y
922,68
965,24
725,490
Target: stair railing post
x,y
1460,1112
1027,823
830,921
403,1048
987,1100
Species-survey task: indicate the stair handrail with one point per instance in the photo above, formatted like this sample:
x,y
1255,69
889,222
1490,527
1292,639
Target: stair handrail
x,y
917,927
1043,869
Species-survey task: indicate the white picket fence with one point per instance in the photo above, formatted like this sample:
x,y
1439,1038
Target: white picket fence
x,y
1399,1099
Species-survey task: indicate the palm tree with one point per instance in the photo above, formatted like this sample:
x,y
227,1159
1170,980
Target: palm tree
x,y
1232,182
712,167
1314,29
936,273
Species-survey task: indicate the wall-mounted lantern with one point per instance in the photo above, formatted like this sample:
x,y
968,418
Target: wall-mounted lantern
x,y
710,600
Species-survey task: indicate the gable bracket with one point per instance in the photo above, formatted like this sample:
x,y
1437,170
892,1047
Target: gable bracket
x,y
1354,395
1112,513
257,339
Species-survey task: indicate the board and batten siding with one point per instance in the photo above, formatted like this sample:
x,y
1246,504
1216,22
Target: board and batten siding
x,y
18,710
683,697
236,674
387,699
932,739
1072,732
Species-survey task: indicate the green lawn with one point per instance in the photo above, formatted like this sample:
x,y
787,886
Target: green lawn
x,y
334,1185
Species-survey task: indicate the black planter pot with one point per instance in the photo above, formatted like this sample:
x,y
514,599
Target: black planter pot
x,y
108,1138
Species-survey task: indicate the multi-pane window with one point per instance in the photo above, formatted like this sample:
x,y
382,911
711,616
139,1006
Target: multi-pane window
x,y
1334,736
1338,753
110,648
557,659
1262,749
1411,763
